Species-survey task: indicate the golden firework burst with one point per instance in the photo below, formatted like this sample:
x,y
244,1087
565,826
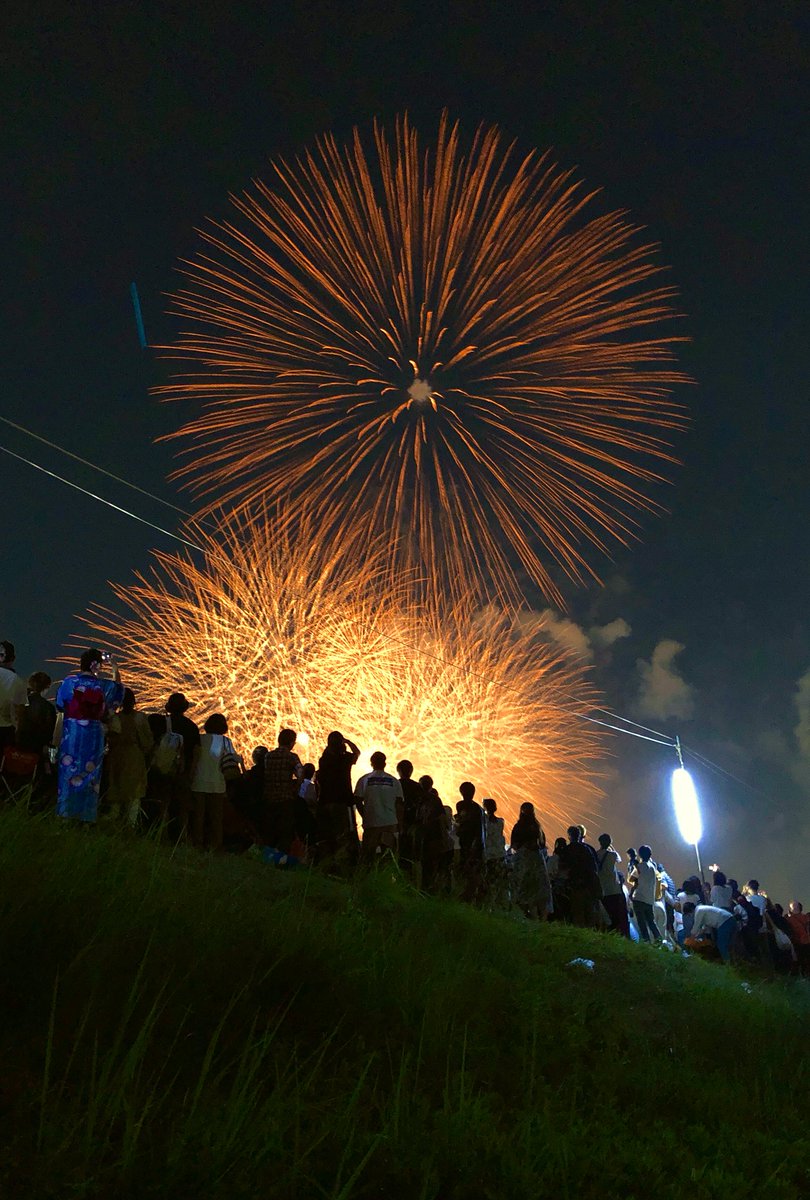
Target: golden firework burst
x,y
437,345
266,627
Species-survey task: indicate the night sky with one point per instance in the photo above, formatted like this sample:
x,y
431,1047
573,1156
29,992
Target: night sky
x,y
126,125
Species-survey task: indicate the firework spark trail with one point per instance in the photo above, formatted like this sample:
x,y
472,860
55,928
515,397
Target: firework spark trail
x,y
272,631
444,348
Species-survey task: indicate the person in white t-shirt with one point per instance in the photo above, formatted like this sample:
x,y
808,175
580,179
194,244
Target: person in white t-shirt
x,y
691,893
752,892
612,891
381,804
208,784
714,921
13,697
643,879
721,895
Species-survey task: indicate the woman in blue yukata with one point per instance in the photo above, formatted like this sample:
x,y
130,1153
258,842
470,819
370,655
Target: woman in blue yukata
x,y
86,701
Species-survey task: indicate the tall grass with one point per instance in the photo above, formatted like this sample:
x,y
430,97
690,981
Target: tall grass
x,y
176,1025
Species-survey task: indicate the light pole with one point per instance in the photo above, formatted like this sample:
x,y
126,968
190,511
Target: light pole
x,y
687,809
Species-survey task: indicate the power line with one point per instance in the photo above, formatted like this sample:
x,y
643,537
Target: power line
x,y
94,466
713,766
117,507
629,732
659,734
626,720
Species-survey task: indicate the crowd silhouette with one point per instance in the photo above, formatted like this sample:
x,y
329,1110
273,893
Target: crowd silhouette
x,y
93,754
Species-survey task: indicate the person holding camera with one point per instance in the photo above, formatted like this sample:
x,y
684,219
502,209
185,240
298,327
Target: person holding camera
x,y
335,828
87,700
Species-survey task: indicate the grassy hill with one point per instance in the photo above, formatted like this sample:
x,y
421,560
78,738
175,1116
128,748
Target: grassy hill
x,y
176,1025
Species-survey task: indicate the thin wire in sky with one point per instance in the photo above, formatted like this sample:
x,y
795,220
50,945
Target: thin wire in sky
x,y
94,466
101,499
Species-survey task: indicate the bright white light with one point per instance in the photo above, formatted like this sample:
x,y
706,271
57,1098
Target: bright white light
x,y
687,809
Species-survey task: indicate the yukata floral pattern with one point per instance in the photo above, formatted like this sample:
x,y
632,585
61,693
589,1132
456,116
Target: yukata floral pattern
x,y
86,703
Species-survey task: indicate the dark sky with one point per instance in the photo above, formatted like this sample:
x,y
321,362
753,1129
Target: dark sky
x,y
125,125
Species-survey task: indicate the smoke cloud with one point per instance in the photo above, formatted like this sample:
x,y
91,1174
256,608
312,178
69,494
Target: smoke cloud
x,y
663,691
570,636
605,635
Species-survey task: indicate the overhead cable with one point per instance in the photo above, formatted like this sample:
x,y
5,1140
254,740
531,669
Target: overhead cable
x,y
101,499
94,466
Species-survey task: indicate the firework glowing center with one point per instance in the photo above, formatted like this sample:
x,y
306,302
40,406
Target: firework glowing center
x,y
421,393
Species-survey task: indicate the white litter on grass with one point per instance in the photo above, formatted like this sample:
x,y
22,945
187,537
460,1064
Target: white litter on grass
x,y
587,963
746,987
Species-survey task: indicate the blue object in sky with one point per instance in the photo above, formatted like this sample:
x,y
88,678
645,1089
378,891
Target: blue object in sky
x,y
136,304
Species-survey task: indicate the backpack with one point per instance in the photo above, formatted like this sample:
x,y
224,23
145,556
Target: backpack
x,y
168,756
753,915
229,762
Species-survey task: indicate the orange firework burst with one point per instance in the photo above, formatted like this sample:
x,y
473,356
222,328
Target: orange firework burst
x,y
438,346
273,632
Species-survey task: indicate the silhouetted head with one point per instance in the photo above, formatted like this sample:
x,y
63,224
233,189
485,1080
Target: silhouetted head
x,y
574,833
39,682
336,740
527,810
559,845
216,723
286,738
309,770
259,754
467,790
128,704
378,760
405,769
753,885
489,805
91,660
177,704
644,853
604,840
426,783
719,879
8,654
